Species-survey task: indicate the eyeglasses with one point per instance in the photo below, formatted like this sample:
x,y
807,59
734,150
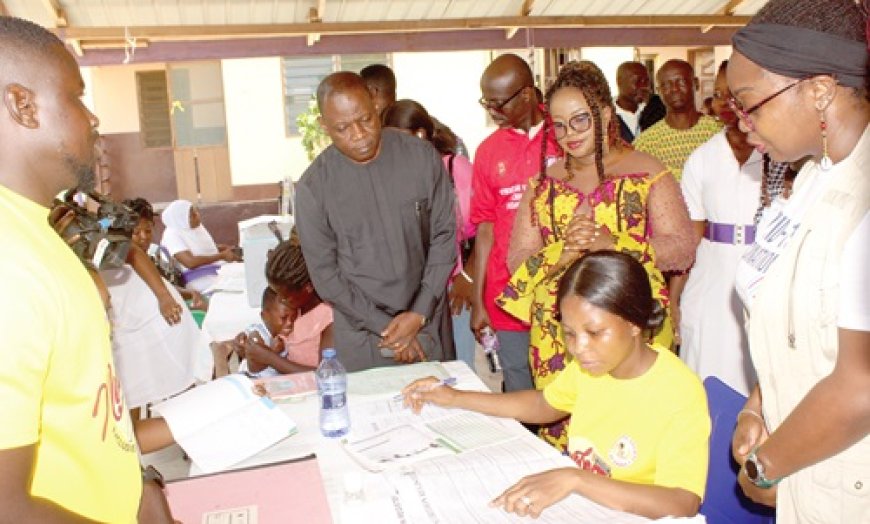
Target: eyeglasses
x,y
743,113
495,105
578,123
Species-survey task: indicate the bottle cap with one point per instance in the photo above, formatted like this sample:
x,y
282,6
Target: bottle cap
x,y
329,353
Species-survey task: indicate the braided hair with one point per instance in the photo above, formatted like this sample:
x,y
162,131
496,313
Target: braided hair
x,y
141,207
844,18
588,78
286,265
847,19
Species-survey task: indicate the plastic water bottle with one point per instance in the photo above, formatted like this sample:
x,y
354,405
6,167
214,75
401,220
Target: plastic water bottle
x,y
490,348
332,389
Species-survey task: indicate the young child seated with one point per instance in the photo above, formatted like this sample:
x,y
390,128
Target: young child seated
x,y
308,320
277,322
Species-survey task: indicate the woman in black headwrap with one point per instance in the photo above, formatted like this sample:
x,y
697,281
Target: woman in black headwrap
x,y
799,81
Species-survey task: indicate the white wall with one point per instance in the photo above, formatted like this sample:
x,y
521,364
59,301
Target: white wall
x,y
260,152
114,96
88,79
447,84
663,54
608,59
722,52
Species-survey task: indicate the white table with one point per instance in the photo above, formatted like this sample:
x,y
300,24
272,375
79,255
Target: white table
x,y
228,315
381,495
229,312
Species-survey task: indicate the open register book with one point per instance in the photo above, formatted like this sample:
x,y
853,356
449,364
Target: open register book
x,y
224,422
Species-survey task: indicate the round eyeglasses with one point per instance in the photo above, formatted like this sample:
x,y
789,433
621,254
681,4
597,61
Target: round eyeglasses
x,y
578,123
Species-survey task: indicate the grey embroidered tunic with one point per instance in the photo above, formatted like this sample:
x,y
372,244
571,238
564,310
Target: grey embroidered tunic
x,y
379,239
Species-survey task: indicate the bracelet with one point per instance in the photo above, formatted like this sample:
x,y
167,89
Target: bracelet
x,y
151,473
751,412
466,276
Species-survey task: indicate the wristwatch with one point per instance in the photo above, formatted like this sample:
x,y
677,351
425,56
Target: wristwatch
x,y
755,471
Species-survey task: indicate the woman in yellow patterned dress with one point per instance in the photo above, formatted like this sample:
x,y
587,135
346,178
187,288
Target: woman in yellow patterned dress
x,y
604,196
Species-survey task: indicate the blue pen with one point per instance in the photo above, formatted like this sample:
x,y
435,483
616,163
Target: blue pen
x,y
449,381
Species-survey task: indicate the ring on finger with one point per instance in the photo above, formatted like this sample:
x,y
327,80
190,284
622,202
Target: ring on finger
x,y
526,500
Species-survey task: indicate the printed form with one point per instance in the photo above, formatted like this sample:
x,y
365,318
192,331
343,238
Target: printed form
x,y
464,485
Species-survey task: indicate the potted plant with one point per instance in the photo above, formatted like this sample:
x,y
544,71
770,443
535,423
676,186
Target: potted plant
x,y
314,138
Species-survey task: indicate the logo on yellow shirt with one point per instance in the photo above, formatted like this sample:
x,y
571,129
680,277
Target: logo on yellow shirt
x,y
624,452
109,395
583,454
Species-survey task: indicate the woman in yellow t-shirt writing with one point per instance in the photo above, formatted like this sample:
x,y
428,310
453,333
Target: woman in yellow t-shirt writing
x,y
640,427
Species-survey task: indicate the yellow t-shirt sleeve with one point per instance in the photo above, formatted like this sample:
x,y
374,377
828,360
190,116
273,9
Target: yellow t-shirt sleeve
x,y
25,355
562,393
683,453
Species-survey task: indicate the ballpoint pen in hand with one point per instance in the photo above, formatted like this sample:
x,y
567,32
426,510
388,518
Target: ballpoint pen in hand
x,y
449,381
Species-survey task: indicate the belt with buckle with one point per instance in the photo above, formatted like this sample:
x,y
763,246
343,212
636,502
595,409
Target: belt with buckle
x,y
729,233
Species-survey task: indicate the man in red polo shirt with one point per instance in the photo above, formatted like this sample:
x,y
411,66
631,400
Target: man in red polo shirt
x,y
503,164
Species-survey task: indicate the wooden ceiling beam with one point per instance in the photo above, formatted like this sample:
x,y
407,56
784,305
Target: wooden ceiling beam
x,y
731,7
210,32
56,12
526,10
459,40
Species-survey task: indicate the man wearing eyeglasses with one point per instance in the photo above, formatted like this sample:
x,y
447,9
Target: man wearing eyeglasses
x,y
503,164
684,128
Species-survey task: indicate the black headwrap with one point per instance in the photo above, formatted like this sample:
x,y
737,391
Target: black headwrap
x,y
797,52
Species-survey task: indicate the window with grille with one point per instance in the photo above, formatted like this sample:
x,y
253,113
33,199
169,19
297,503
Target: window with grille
x,y
154,119
302,75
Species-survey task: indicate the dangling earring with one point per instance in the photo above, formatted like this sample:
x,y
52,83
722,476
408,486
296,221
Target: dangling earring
x,y
825,163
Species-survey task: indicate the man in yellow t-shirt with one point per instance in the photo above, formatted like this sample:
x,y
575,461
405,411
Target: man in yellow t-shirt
x,y
66,443
661,439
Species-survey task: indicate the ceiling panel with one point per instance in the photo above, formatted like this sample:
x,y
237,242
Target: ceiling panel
x,y
98,13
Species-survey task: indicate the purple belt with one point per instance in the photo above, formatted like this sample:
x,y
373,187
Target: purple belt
x,y
729,233
198,272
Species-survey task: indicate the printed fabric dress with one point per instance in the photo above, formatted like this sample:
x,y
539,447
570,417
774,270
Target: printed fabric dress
x,y
620,205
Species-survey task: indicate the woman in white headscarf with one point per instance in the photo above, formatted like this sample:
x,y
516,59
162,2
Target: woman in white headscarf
x,y
192,245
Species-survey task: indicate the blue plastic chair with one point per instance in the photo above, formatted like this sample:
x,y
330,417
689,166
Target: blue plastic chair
x,y
724,502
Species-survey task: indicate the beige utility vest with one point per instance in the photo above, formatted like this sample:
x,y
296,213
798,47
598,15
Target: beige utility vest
x,y
793,341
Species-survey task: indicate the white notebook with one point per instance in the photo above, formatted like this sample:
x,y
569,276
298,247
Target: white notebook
x,y
224,422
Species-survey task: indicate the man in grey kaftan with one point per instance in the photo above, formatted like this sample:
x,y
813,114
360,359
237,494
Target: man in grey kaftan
x,y
376,220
